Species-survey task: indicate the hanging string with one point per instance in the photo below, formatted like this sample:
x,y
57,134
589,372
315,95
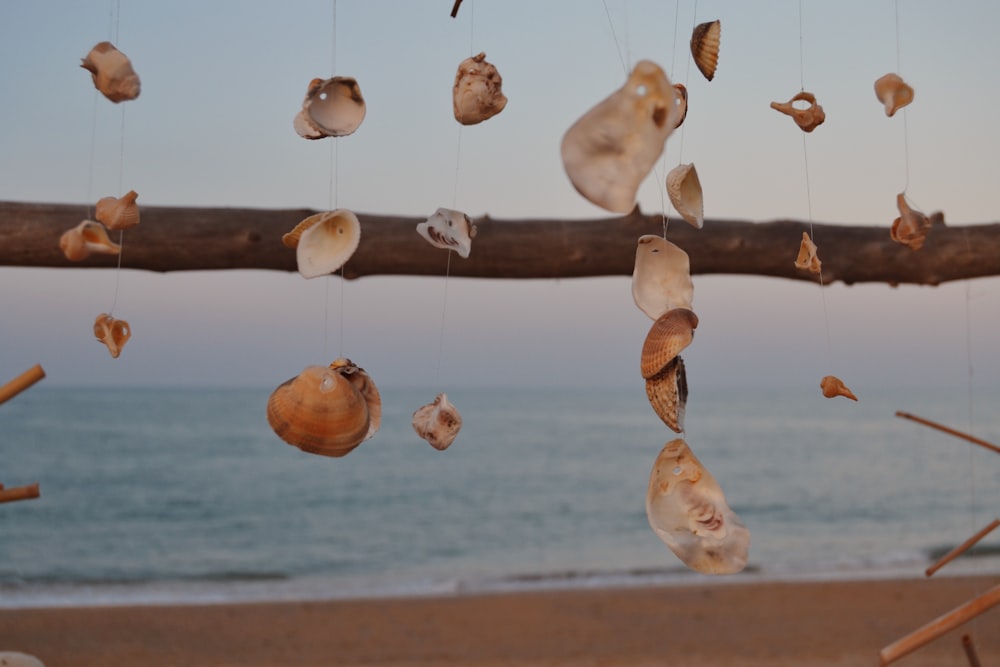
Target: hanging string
x,y
444,310
116,23
906,133
614,36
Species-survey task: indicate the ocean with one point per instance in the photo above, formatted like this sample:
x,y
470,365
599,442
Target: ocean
x,y
185,495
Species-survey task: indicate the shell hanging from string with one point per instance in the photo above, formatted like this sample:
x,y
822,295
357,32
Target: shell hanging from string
x,y
661,279
705,47
808,118
663,368
324,242
450,230
332,107
832,386
438,423
893,93
118,212
114,333
808,259
86,238
684,190
112,73
477,95
911,227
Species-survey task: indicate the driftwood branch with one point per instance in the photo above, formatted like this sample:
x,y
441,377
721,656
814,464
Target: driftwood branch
x,y
188,239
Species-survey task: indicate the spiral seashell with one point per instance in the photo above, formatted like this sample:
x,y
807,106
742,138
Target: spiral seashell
x,y
808,118
833,386
667,338
86,238
687,510
661,279
705,47
324,242
450,230
438,423
911,227
112,73
667,393
807,258
476,95
893,93
113,333
118,212
684,190
332,108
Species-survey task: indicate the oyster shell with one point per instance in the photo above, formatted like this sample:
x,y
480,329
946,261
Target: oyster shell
x,y
807,258
705,47
332,108
667,393
118,212
438,423
112,73
86,238
893,93
113,333
911,227
684,190
833,386
808,118
324,242
667,338
476,95
661,279
448,229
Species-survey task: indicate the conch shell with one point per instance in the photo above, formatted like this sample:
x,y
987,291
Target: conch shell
x,y
808,118
326,410
324,242
86,238
684,190
113,333
705,47
893,93
808,259
833,386
450,230
661,279
118,213
332,108
667,394
476,95
911,227
610,150
438,423
112,73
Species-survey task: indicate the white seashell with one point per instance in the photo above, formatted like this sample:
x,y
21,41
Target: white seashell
x,y
893,93
661,279
86,238
688,511
610,150
684,190
438,423
112,73
15,659
450,230
332,108
476,95
324,242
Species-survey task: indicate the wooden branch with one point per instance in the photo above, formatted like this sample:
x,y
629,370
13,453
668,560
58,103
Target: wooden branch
x,y
950,431
970,651
20,383
19,493
962,548
189,239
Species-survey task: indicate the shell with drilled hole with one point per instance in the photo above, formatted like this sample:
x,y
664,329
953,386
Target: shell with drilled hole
x,y
88,237
705,47
118,212
893,93
807,258
611,149
112,332
661,278
112,73
684,190
688,512
326,410
832,386
450,230
807,118
911,227
477,95
438,423
332,108
324,242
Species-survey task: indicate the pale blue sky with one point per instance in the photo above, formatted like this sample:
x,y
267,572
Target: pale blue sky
x,y
213,127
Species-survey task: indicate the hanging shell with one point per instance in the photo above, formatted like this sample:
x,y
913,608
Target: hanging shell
x,y
450,230
688,512
667,338
681,100
661,279
833,386
113,333
807,258
705,47
86,238
438,423
808,118
324,242
911,227
112,73
610,150
332,108
684,190
667,393
118,212
326,410
476,95
893,93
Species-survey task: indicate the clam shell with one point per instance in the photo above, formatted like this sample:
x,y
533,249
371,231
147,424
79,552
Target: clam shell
x,y
86,238
681,99
476,95
911,227
112,73
113,333
833,386
684,190
687,510
324,242
366,387
809,118
118,212
667,338
661,279
807,258
450,230
705,47
332,108
893,93
438,423
610,150
667,393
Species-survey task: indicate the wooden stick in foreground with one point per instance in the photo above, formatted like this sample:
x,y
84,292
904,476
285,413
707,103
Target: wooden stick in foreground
x,y
21,382
970,651
950,431
939,626
961,548
19,493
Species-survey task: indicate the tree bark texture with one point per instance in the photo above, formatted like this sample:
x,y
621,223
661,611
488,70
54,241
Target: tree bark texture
x,y
190,239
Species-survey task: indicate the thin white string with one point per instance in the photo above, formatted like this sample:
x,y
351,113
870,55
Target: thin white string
x,y
618,50
444,311
93,157
121,170
906,133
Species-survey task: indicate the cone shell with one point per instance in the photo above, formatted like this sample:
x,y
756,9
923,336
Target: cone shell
x,y
113,333
438,423
112,73
476,95
833,386
118,212
807,258
661,279
667,338
324,242
687,510
807,119
684,190
911,227
332,108
610,150
667,393
705,47
893,93
86,238
450,230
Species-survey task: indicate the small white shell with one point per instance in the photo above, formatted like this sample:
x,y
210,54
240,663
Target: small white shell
x,y
661,279
450,230
438,423
332,108
324,242
476,95
86,238
112,73
684,190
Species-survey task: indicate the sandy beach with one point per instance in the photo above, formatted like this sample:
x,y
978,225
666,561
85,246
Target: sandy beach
x,y
754,624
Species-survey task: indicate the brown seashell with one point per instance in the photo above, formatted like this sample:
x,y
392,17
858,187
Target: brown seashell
x,y
705,47
808,259
113,333
118,212
893,93
112,73
833,386
667,394
438,423
684,190
476,95
324,242
86,238
661,279
667,338
332,108
808,118
681,100
911,227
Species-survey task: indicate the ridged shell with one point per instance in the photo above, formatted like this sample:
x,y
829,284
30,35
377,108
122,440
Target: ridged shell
x,y
118,212
807,119
610,150
324,242
86,238
112,73
332,108
807,258
833,386
893,93
911,227
667,394
684,190
450,230
661,278
687,510
438,423
705,47
113,333
477,95
668,337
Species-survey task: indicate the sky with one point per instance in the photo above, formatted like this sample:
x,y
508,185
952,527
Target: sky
x,y
222,81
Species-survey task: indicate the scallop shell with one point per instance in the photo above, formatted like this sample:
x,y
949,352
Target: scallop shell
x,y
15,659
667,393
808,118
324,242
893,93
911,227
326,410
807,258
705,47
118,212
610,150
667,338
438,423
112,73
450,230
684,190
332,108
833,386
113,333
86,238
476,95
661,279
688,512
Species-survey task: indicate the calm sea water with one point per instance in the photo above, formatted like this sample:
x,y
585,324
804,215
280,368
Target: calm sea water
x,y
159,495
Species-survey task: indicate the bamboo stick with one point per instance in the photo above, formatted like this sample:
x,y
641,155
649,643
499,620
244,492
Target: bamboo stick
x,y
19,493
970,651
939,626
21,382
962,548
950,431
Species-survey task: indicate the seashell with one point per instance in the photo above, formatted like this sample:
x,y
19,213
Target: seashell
x,y
448,229
688,512
476,95
438,423
610,150
324,242
667,393
911,227
684,190
808,259
893,92
681,98
85,238
705,47
661,279
326,410
112,73
15,659
332,108
113,333
833,386
808,118
667,338
118,213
